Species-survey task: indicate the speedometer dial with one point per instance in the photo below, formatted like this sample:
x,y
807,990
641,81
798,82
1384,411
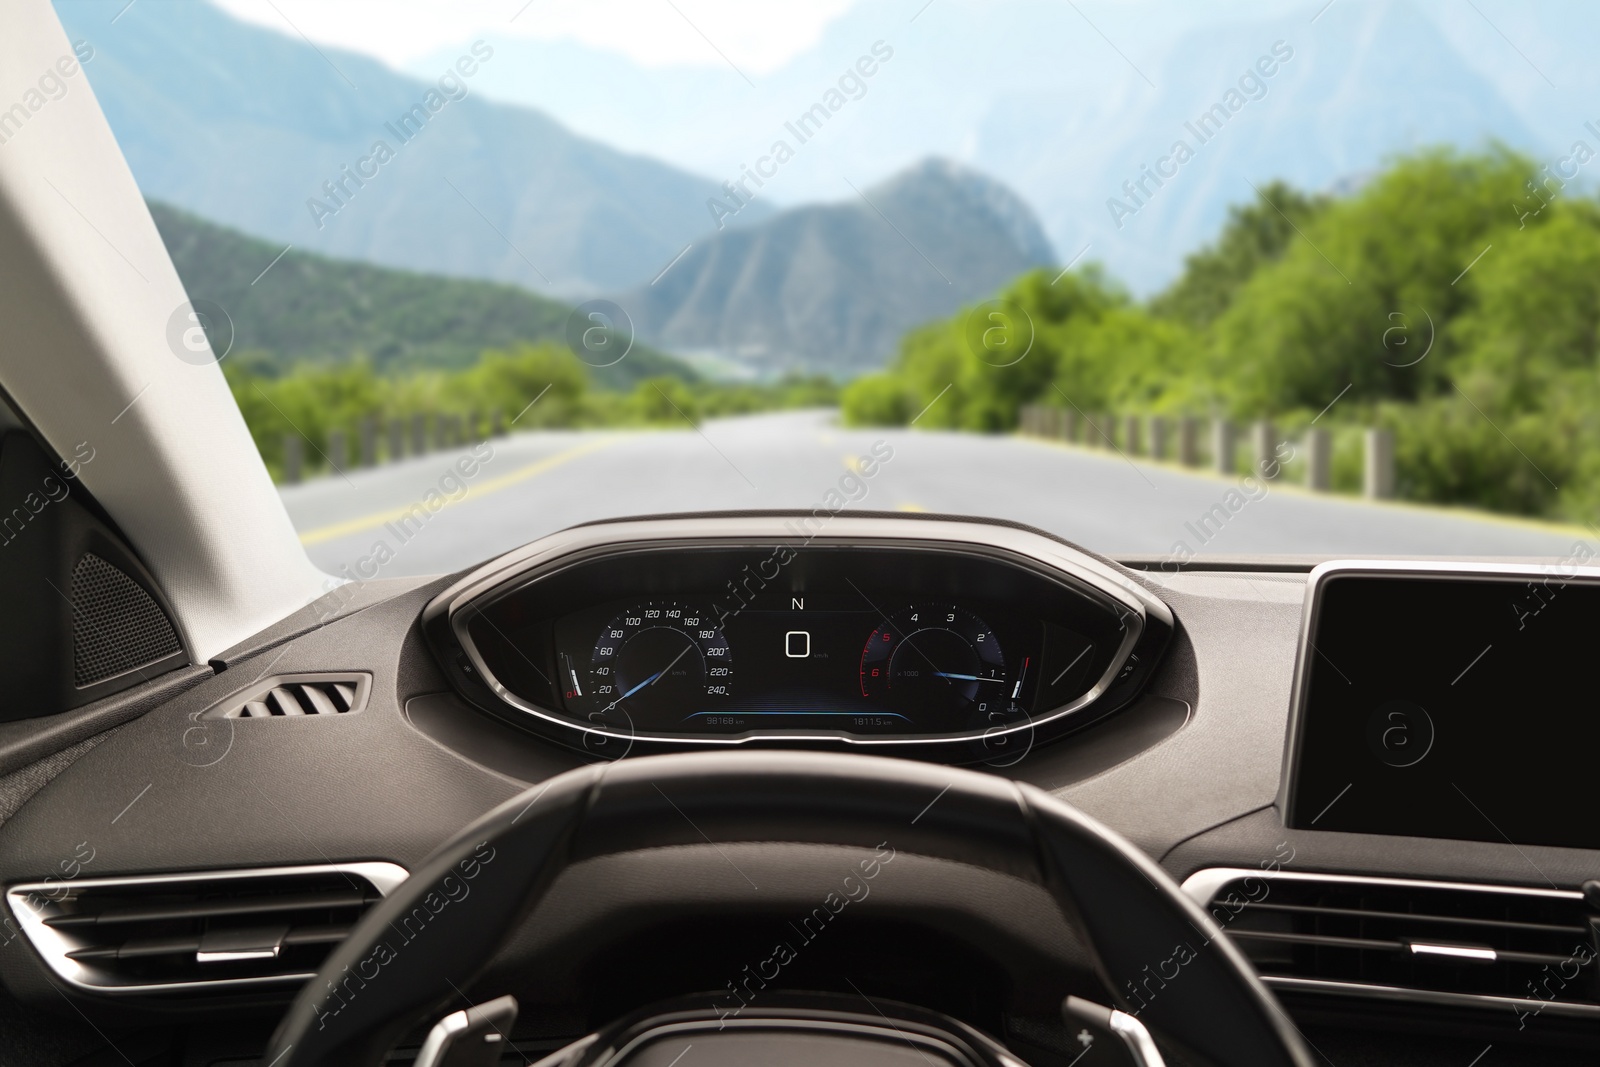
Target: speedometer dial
x,y
652,658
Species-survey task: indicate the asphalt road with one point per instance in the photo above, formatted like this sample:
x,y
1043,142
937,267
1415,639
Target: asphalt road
x,y
534,483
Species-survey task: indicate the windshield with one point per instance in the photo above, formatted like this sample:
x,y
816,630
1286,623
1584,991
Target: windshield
x,y
1171,280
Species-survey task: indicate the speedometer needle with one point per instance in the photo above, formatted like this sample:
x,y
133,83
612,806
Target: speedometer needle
x,y
663,670
652,680
648,681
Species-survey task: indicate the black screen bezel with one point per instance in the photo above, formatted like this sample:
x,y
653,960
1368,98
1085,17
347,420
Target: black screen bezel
x,y
1288,801
935,558
444,623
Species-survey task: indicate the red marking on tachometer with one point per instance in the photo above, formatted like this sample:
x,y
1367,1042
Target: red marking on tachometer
x,y
867,648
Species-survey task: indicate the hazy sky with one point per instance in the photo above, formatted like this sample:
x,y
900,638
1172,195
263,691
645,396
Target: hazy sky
x,y
757,35
1062,100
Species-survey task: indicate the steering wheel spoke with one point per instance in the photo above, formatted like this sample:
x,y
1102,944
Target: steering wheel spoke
x,y
1162,959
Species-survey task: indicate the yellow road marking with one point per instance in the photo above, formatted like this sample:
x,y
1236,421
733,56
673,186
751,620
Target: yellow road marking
x,y
910,507
852,464
494,485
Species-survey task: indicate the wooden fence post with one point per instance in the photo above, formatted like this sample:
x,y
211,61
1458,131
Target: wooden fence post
x,y
1319,460
1107,437
1377,481
1222,446
1264,445
1188,441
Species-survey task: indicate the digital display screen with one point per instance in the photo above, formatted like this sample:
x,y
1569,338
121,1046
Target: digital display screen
x,y
1450,707
835,641
801,662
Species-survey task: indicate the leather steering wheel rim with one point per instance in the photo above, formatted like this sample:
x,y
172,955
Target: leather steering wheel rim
x,y
414,951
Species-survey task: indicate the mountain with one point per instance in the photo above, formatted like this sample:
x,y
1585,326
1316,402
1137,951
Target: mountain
x,y
1066,101
306,307
833,287
245,126
1370,80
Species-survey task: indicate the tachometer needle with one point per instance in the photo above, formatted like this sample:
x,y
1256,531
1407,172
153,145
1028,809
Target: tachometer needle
x,y
966,677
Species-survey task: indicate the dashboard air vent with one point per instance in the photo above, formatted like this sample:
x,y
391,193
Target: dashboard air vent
x,y
170,932
1493,946
296,694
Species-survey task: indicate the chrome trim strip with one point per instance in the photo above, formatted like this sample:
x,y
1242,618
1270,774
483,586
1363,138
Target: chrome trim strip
x,y
1459,952
841,529
1335,568
235,957
1202,887
1140,1045
29,904
585,543
442,1033
1426,996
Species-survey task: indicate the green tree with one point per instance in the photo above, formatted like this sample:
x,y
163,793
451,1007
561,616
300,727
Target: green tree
x,y
663,402
1255,234
1532,334
512,379
1319,318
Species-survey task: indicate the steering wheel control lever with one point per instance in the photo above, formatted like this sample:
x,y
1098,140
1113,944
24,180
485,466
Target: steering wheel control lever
x,y
475,1037
1136,1040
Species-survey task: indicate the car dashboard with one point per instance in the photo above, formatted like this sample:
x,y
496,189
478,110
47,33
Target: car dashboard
x,y
1400,846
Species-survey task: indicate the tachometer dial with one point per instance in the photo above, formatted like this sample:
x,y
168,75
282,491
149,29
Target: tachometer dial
x,y
936,663
657,656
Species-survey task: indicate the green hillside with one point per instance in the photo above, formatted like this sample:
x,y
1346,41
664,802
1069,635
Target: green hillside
x,y
322,345
1455,299
312,309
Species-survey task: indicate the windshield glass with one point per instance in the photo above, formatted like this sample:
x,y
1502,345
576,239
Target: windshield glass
x,y
1170,280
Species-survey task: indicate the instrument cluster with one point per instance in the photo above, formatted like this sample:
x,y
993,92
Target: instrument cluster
x,y
964,651
807,661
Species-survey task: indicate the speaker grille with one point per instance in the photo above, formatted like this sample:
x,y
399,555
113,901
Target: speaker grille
x,y
116,626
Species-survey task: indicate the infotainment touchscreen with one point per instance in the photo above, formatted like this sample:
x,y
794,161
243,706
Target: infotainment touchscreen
x,y
1449,704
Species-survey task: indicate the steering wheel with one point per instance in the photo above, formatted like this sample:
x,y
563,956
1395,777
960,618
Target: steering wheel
x,y
414,951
